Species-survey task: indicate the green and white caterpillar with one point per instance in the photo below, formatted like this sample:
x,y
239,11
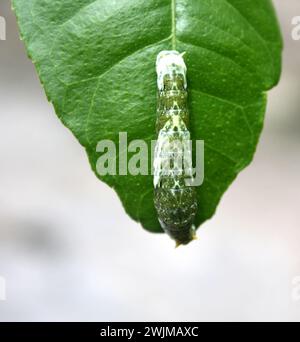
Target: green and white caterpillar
x,y
174,196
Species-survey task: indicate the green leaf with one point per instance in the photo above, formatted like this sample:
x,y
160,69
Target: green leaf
x,y
96,60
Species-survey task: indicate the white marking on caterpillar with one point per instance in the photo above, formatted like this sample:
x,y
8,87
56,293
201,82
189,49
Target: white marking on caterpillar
x,y
166,63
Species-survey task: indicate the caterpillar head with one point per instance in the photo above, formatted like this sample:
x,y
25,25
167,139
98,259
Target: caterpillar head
x,y
168,62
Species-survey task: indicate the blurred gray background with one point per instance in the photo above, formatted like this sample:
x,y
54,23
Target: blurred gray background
x,y
69,252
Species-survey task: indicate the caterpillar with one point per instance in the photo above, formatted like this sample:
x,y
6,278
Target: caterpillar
x,y
175,200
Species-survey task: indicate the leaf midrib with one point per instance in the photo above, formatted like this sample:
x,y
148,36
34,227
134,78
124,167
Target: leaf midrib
x,y
173,24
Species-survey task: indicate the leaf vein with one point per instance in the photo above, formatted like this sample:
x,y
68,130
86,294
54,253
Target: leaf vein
x,y
231,103
110,68
218,54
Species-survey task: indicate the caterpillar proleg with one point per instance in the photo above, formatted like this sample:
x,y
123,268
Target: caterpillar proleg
x,y
174,198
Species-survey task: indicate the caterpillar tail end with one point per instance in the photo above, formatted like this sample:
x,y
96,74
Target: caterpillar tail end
x,y
195,237
179,243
